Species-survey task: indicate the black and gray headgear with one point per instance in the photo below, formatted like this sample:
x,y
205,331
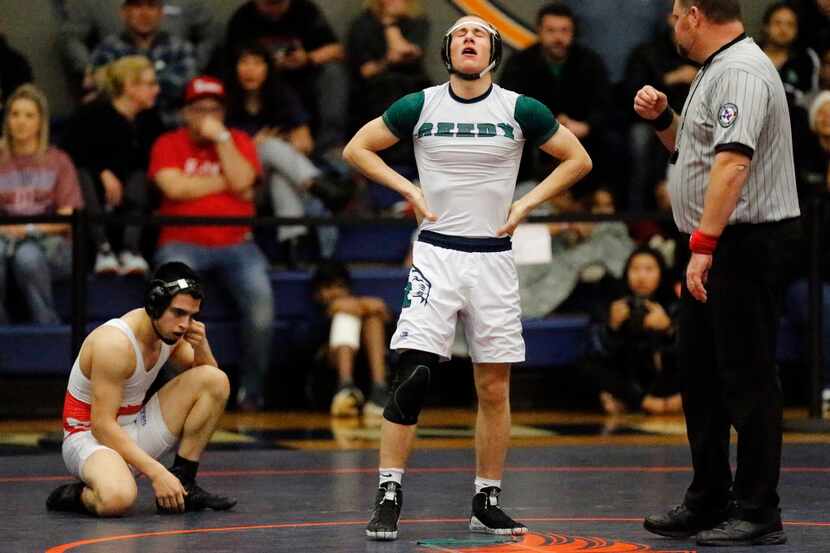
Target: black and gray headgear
x,y
495,50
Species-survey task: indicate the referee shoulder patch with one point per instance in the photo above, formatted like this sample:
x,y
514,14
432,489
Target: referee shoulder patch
x,y
727,114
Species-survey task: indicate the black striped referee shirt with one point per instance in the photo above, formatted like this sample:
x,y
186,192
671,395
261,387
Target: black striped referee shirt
x,y
736,102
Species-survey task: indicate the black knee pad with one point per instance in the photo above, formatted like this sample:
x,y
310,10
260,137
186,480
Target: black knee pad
x,y
410,387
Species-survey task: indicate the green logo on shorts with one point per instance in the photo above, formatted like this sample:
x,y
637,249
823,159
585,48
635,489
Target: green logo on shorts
x,y
417,288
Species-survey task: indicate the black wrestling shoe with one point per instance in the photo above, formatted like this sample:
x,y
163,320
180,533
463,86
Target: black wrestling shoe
x,y
67,498
198,499
682,522
387,511
488,518
744,532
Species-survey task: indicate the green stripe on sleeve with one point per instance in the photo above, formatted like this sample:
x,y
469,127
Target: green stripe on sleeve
x,y
537,121
402,116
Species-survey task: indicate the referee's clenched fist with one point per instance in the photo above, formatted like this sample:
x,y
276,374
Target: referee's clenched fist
x,y
649,102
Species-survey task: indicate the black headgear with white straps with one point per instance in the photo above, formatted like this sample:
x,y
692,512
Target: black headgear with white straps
x,y
495,50
159,294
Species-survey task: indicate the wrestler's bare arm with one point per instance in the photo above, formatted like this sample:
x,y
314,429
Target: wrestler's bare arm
x,y
111,361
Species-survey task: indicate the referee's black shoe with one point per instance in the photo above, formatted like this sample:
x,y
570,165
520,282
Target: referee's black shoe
x,y
744,532
682,522
387,510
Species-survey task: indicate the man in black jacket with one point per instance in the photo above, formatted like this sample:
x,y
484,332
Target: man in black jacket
x,y
656,61
568,78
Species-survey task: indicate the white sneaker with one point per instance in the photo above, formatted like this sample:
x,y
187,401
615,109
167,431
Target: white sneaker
x,y
133,264
106,264
372,409
346,402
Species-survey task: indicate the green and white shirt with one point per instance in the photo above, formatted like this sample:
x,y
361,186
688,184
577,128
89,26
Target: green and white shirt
x,y
468,152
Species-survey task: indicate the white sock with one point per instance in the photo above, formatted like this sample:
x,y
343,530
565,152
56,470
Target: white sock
x,y
390,475
482,483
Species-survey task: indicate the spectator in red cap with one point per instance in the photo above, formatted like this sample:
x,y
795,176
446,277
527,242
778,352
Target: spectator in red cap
x,y
204,169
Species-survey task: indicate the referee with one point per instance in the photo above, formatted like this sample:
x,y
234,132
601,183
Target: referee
x,y
732,186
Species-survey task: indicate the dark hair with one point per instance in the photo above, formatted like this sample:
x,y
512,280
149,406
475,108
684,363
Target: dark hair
x,y
141,2
174,270
269,93
169,280
329,273
663,294
719,11
772,8
769,12
557,9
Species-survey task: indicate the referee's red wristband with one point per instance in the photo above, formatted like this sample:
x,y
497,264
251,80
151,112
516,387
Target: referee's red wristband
x,y
702,243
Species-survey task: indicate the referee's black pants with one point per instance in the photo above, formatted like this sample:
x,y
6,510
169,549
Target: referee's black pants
x,y
726,354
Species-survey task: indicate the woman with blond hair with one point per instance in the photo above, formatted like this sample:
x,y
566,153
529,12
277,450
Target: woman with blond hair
x,y
35,179
110,141
385,51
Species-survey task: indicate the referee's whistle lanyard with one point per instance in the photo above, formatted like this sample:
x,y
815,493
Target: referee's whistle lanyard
x,y
676,153
698,79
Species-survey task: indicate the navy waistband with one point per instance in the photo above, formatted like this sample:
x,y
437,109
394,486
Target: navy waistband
x,y
464,243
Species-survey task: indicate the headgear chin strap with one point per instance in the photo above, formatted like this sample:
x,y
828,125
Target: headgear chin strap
x,y
495,50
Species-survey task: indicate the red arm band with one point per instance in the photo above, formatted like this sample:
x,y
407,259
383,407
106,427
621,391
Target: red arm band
x,y
702,243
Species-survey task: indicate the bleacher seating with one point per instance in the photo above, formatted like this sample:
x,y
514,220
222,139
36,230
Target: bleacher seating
x,y
374,243
32,349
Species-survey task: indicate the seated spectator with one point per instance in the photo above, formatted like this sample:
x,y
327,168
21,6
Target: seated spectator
x,y
586,259
35,179
355,322
813,167
823,76
261,105
385,50
813,172
87,22
662,234
632,346
309,57
656,63
204,169
172,57
814,16
797,66
15,70
110,140
568,78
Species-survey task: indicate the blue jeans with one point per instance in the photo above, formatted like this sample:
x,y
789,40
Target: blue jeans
x,y
797,309
648,165
36,263
288,170
243,271
331,90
